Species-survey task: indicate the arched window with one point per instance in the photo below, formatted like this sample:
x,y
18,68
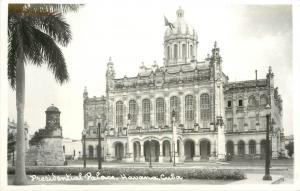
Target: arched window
x,y
252,147
133,111
205,107
174,106
191,51
252,101
160,110
184,51
189,108
241,148
168,53
263,100
146,110
119,113
175,51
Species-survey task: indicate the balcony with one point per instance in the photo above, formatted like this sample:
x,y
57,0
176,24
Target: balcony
x,y
149,130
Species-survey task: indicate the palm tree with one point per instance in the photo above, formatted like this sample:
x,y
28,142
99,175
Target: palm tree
x,y
34,33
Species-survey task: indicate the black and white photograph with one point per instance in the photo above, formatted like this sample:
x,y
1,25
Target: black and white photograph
x,y
155,94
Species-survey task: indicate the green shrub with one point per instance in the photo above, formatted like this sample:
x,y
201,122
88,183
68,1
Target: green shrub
x,y
186,173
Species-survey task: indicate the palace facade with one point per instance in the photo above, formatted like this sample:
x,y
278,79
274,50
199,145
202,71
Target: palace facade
x,y
186,110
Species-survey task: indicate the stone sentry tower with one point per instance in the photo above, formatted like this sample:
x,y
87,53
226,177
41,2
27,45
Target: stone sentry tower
x,y
46,147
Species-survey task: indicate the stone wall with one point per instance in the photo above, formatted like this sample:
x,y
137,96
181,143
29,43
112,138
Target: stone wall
x,y
48,153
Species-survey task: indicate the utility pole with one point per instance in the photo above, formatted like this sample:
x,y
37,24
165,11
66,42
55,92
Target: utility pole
x,y
267,175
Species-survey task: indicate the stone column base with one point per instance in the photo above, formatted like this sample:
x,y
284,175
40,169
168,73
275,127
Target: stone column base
x,y
142,159
129,159
221,157
160,159
196,158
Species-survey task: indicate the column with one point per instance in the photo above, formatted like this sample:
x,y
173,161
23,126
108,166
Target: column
x,y
176,151
182,107
181,147
142,157
153,111
234,117
198,112
258,148
168,111
197,152
140,112
246,148
274,145
113,109
160,158
235,146
130,152
113,152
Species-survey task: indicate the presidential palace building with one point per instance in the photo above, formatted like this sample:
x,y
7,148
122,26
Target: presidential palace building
x,y
186,109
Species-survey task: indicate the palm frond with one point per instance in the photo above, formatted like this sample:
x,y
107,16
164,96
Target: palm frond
x,y
52,55
12,62
54,25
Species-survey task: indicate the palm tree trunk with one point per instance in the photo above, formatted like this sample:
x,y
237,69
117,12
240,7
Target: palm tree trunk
x,y
20,174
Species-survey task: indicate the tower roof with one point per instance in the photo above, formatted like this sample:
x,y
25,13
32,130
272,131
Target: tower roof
x,y
52,108
181,27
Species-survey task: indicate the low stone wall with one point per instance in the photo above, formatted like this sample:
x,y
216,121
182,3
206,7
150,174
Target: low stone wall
x,y
48,153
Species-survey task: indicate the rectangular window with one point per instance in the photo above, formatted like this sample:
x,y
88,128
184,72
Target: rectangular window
x,y
229,103
240,102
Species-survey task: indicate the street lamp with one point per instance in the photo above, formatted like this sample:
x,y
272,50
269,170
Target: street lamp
x,y
267,175
174,134
84,153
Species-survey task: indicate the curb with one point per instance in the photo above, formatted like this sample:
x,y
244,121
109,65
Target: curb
x,y
278,181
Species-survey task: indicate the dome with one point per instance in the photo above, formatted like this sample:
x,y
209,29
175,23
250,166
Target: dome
x,y
52,108
180,26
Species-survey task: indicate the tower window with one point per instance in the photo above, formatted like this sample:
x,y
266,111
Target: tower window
x,y
191,51
175,51
168,53
183,51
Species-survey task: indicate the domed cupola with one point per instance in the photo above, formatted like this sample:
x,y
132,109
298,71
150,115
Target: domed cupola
x,y
180,41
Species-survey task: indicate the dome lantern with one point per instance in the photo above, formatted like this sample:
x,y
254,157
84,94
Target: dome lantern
x,y
180,41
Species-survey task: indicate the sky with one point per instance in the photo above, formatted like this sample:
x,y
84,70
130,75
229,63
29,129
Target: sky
x,y
250,37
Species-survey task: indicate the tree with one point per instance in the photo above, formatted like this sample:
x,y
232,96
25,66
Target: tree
x,y
290,148
34,33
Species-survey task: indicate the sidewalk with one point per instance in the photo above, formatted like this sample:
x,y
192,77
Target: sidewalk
x,y
258,179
